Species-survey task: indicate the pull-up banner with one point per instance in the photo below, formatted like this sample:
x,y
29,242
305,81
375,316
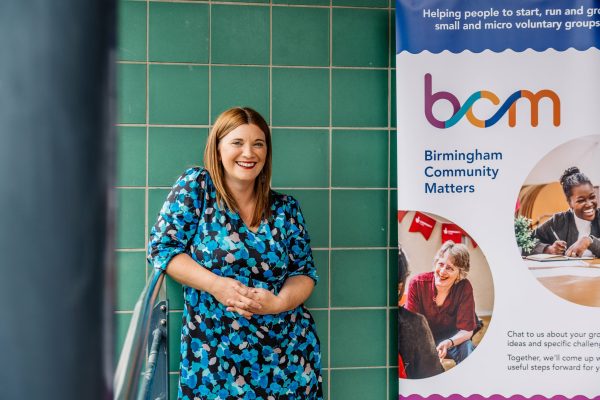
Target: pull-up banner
x,y
498,108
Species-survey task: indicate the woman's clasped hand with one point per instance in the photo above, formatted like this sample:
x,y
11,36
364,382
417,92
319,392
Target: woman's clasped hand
x,y
235,295
245,300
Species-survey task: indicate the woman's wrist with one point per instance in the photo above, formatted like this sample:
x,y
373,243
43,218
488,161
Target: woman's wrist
x,y
212,286
451,342
283,303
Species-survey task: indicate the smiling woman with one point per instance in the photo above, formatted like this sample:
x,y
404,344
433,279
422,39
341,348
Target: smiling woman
x,y
445,298
243,256
574,232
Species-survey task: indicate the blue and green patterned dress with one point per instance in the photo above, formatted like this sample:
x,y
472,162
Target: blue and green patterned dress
x,y
224,355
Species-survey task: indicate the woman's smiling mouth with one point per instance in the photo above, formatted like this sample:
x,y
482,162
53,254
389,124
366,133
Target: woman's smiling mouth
x,y
591,212
246,164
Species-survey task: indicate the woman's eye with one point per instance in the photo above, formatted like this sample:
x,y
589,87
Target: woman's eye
x,y
259,144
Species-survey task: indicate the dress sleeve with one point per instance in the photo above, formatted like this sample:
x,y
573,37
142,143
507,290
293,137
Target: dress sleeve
x,y
177,220
299,251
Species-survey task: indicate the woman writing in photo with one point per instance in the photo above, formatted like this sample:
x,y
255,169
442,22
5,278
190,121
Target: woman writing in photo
x,y
575,232
445,298
242,254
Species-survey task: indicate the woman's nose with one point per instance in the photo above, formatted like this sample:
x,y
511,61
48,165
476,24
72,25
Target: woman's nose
x,y
247,150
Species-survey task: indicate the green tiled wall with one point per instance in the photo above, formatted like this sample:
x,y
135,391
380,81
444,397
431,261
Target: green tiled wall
x,y
321,72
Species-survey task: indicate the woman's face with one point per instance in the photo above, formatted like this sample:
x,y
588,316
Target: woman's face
x,y
243,152
445,273
583,201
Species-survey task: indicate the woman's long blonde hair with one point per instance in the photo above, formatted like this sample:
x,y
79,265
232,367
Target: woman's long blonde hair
x,y
225,123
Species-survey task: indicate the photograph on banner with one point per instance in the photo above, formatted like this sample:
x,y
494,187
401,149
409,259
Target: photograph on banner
x,y
445,295
557,221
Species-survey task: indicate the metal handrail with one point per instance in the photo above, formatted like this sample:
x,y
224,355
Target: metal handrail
x,y
158,338
128,383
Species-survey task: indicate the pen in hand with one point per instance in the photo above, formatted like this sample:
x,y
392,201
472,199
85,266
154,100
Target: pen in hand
x,y
558,240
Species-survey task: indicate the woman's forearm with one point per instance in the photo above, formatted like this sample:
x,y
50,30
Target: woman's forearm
x,y
461,336
227,291
295,291
453,341
188,272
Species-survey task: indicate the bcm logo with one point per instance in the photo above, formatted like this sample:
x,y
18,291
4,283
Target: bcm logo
x,y
509,105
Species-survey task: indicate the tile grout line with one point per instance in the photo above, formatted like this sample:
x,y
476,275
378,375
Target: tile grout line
x,y
282,66
339,189
146,190
329,195
301,128
340,308
358,368
137,250
271,65
210,121
252,4
333,368
389,208
134,249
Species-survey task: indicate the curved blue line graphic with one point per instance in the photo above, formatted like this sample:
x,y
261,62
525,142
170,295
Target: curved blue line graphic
x,y
503,109
463,110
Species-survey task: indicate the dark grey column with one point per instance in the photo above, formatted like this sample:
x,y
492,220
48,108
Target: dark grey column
x,y
55,177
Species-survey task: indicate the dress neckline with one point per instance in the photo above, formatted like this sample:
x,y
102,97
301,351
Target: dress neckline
x,y
244,225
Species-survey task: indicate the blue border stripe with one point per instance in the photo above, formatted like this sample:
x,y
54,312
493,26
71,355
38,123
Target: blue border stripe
x,y
416,33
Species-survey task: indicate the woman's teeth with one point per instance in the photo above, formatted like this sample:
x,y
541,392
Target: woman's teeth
x,y
245,164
